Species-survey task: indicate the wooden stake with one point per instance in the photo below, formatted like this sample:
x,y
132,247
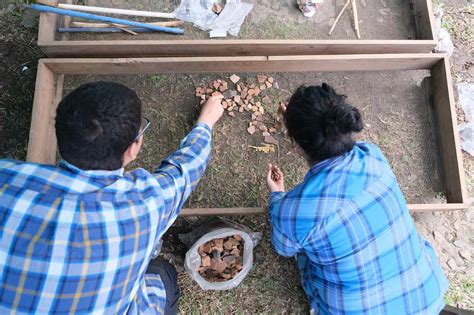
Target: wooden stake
x,y
339,16
356,18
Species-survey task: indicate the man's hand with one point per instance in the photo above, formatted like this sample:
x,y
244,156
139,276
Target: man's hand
x,y
211,111
275,180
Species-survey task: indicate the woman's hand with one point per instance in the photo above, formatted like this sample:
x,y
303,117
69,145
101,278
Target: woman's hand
x,y
275,180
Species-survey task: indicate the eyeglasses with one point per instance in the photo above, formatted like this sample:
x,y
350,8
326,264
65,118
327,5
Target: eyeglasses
x,y
146,123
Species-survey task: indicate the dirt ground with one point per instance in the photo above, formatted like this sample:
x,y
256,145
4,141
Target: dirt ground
x,y
402,132
270,19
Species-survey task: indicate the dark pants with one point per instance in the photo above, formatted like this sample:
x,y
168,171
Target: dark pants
x,y
170,281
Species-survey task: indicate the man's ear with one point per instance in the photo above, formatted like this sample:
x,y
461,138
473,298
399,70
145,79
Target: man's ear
x,y
132,151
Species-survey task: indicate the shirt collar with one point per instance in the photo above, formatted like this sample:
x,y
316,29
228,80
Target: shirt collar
x,y
92,173
317,167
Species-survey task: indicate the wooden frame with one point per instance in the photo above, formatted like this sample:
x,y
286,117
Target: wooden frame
x,y
49,82
57,46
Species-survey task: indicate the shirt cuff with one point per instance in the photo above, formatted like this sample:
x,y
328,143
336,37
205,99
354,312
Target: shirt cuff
x,y
203,126
276,196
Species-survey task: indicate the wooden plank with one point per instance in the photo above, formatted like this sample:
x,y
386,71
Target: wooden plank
x,y
156,48
42,145
242,64
436,207
221,211
263,210
448,134
424,18
48,93
47,26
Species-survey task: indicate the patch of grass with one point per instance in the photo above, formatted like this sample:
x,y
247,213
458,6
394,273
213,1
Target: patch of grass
x,y
461,292
158,78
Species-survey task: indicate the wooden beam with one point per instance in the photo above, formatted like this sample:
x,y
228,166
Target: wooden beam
x,y
446,119
47,26
42,144
242,64
48,93
154,48
424,19
263,210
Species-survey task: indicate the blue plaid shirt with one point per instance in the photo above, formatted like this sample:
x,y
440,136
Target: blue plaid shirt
x,y
74,241
355,242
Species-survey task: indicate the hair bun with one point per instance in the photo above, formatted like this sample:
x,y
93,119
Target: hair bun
x,y
343,119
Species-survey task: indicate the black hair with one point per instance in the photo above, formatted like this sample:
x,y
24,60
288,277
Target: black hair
x,y
96,123
321,122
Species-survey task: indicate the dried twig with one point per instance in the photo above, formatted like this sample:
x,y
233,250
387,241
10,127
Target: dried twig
x,y
356,18
339,16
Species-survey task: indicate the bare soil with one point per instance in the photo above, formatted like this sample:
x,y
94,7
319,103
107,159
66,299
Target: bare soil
x,y
270,19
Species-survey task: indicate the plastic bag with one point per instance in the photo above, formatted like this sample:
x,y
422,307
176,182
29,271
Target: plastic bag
x,y
198,12
232,17
445,44
218,228
466,130
201,15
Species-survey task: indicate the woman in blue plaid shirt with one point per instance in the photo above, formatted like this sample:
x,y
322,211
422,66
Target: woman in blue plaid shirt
x,y
347,223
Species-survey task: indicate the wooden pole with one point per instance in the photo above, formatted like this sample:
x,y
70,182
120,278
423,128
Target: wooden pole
x,y
98,25
85,8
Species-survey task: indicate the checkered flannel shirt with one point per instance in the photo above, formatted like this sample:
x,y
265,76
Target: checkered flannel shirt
x,y
355,242
74,241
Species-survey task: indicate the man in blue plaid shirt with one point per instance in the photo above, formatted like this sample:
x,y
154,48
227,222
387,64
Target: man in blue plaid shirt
x,y
347,223
79,237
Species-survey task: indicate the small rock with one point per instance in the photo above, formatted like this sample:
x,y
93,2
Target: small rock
x,y
271,140
216,84
272,130
263,128
257,91
216,8
268,85
226,94
265,134
261,78
262,87
251,129
232,114
437,236
261,110
267,100
270,79
254,108
464,253
251,92
459,244
222,88
276,85
452,264
237,98
234,79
